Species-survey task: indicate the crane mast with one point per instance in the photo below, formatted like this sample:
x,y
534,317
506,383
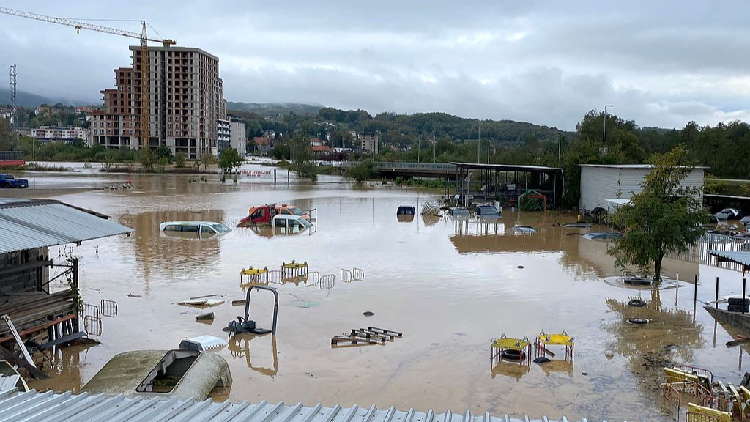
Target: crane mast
x,y
145,99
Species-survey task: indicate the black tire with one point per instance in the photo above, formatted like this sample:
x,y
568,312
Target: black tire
x,y
511,354
737,301
637,303
638,321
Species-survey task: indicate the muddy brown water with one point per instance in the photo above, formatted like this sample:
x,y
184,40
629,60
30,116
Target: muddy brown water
x,y
449,286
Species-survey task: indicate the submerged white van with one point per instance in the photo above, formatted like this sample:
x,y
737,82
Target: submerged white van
x,y
197,228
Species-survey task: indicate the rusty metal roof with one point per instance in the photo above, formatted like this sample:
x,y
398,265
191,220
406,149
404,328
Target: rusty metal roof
x,y
29,224
49,406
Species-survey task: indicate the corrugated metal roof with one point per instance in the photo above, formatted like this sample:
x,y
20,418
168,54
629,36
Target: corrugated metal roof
x,y
28,225
742,258
49,406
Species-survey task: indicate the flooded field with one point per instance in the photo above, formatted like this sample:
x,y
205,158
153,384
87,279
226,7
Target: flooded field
x,y
449,286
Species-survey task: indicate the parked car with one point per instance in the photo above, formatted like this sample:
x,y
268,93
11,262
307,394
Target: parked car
x,y
8,181
745,220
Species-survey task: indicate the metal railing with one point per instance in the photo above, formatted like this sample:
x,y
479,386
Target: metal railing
x,y
443,167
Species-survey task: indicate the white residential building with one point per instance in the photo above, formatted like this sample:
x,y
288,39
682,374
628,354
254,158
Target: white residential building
x,y
223,133
238,137
604,185
65,134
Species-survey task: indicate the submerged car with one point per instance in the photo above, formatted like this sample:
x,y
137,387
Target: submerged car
x,y
182,374
728,214
288,224
193,228
486,211
602,236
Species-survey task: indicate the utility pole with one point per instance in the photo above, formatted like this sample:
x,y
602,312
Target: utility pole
x,y
479,141
433,148
604,142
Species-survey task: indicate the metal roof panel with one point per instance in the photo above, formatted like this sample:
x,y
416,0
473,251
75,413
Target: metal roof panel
x,y
48,406
47,224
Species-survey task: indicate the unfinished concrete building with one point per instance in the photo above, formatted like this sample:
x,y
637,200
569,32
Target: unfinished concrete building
x,y
186,102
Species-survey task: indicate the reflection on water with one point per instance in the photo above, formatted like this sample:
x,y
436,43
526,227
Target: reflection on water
x,y
671,336
165,256
239,346
510,369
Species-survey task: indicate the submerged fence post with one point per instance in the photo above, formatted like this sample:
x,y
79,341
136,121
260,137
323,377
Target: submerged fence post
x,y
717,293
744,288
695,291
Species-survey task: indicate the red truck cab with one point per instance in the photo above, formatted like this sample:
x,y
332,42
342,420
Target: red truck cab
x,y
263,214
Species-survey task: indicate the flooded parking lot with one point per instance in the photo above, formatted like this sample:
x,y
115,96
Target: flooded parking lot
x,y
449,286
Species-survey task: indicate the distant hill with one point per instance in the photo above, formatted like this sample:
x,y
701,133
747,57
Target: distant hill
x,y
27,99
272,109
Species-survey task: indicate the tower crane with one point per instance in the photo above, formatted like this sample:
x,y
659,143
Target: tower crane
x,y
143,37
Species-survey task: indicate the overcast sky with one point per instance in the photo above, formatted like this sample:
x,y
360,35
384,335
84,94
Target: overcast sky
x,y
660,63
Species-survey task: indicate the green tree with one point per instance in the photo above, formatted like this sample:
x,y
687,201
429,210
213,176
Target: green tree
x,y
148,159
301,157
6,141
206,160
665,217
164,152
229,159
364,170
179,160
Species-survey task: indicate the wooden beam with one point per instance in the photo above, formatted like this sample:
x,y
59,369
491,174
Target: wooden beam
x,y
39,327
36,373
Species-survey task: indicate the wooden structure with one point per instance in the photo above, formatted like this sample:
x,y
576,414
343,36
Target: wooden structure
x,y
27,229
506,183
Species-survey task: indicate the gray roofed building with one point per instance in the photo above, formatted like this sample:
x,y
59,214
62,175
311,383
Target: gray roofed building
x,y
29,224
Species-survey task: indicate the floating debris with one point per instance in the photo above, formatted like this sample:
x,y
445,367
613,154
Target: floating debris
x,y
369,335
368,313
207,315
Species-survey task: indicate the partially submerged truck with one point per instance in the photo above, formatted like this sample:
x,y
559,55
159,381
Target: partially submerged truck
x,y
264,214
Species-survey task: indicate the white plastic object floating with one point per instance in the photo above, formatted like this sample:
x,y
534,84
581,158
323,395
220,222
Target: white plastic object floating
x,y
202,343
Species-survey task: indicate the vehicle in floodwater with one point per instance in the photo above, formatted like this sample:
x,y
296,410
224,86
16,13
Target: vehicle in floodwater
x,y
289,224
183,374
264,214
486,211
193,229
406,210
523,230
459,212
602,236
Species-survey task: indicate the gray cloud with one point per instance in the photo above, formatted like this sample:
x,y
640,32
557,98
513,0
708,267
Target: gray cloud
x,y
659,63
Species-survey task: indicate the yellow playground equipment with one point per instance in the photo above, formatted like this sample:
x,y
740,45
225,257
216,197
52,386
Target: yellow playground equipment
x,y
696,413
509,348
554,339
717,401
294,272
253,277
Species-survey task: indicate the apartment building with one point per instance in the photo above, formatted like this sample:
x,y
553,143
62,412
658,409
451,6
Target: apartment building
x,y
46,134
238,137
186,100
370,142
224,135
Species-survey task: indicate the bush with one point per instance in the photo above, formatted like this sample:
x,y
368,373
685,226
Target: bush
x,y
364,170
179,160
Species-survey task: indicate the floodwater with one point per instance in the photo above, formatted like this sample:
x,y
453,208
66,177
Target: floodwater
x,y
449,286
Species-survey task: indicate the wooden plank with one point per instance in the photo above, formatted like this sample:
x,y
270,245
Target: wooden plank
x,y
39,327
10,357
384,331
